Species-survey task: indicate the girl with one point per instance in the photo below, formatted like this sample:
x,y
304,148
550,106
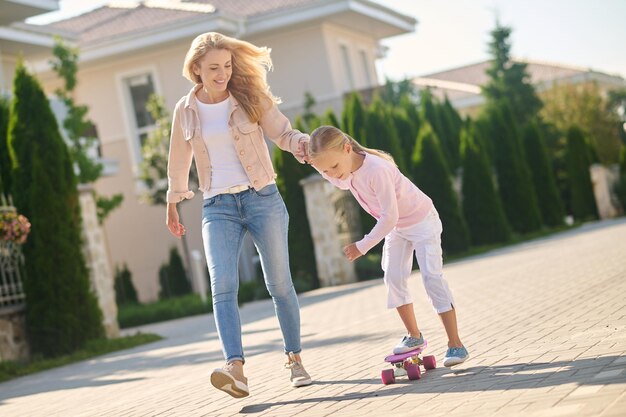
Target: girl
x,y
220,123
406,219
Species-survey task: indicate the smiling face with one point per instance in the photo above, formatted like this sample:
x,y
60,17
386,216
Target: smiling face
x,y
335,162
214,69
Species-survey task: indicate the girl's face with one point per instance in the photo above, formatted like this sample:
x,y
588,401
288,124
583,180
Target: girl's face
x,y
214,69
336,163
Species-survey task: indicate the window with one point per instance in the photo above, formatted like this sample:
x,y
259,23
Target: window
x,y
347,66
140,88
366,68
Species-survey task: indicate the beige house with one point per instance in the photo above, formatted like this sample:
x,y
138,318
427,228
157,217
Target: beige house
x,y
129,50
462,85
16,41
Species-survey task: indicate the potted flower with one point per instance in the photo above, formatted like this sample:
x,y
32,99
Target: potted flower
x,y
14,227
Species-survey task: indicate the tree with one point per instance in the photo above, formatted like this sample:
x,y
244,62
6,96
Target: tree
x,y
514,183
330,119
509,80
406,134
381,132
301,250
80,130
432,176
173,277
393,92
588,108
153,166
542,176
354,117
5,159
62,312
311,121
578,159
482,208
620,186
125,292
433,113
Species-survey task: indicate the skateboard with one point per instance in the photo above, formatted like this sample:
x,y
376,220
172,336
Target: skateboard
x,y
408,364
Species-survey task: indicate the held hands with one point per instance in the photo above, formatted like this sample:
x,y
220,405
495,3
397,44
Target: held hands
x,y
351,252
303,152
172,221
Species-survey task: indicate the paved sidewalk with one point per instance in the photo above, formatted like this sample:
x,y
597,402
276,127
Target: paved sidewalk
x,y
545,323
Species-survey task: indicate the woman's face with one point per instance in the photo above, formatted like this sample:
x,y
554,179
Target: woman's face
x,y
214,69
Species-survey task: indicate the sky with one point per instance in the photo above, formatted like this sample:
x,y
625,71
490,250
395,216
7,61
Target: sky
x,y
453,33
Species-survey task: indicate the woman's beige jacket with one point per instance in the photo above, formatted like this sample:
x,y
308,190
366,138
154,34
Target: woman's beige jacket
x,y
248,138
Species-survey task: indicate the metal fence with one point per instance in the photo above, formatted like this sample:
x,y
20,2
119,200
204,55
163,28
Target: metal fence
x,y
12,295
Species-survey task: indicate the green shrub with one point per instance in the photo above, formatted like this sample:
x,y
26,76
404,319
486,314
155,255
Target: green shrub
x,y
137,314
173,277
125,292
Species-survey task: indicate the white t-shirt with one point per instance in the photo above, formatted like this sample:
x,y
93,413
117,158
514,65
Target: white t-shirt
x,y
226,168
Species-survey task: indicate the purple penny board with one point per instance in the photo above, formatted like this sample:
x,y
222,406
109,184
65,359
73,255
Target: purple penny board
x,y
402,356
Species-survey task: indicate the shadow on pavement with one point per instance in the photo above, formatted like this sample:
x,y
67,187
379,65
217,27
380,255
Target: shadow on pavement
x,y
498,378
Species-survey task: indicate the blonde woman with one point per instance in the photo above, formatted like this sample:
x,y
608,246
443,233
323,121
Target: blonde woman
x,y
220,123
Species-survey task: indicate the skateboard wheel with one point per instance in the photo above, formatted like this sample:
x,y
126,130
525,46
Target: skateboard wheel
x,y
388,377
413,371
429,362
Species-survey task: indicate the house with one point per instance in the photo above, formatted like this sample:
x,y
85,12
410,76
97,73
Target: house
x,y
129,50
462,85
15,41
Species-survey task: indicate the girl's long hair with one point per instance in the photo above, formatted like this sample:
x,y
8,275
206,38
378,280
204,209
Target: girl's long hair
x,y
329,137
248,83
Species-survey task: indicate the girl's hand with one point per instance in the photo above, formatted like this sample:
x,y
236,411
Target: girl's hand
x,y
351,252
172,221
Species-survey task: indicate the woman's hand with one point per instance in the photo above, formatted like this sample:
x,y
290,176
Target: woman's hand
x,y
351,252
172,221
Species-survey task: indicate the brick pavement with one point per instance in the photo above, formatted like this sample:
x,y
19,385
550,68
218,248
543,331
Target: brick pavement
x,y
545,322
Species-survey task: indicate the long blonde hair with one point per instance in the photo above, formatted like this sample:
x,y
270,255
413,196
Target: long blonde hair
x,y
248,83
325,138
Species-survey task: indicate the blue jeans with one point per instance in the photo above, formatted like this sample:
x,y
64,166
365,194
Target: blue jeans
x,y
226,218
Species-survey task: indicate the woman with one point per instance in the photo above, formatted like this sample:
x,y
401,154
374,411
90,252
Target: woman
x,y
221,123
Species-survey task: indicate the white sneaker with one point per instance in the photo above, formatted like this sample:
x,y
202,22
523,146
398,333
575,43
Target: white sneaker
x,y
299,376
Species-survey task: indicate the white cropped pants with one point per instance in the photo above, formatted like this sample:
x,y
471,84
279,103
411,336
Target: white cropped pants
x,y
424,239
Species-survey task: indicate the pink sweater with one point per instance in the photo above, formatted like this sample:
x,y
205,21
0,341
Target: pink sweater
x,y
385,193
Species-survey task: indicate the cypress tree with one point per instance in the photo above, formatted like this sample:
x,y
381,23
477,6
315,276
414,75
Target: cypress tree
x,y
514,183
451,124
353,118
125,292
62,312
432,176
482,208
301,251
330,119
406,135
411,110
509,80
381,133
542,176
583,202
431,111
620,187
5,159
173,277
